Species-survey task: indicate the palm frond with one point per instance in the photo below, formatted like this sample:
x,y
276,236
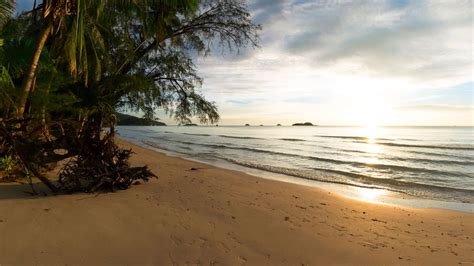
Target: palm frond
x,y
7,8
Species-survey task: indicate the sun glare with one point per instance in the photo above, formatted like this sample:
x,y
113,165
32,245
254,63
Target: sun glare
x,y
370,194
369,106
372,149
370,131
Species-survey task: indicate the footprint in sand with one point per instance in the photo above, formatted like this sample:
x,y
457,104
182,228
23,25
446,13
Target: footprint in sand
x,y
243,259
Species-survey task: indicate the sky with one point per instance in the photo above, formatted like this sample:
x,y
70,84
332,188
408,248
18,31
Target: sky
x,y
348,62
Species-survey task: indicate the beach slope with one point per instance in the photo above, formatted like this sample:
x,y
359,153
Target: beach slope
x,y
199,214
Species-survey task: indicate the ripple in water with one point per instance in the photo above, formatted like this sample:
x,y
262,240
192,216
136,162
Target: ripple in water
x,y
435,162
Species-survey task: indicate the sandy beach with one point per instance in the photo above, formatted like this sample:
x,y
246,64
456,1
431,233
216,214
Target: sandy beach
x,y
203,215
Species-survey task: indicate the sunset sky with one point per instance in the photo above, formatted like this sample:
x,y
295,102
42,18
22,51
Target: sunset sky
x,y
341,62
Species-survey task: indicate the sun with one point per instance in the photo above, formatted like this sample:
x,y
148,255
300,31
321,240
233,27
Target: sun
x,y
368,105
371,114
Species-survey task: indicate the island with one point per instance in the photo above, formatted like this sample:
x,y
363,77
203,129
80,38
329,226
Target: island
x,y
190,125
278,125
130,120
247,125
307,124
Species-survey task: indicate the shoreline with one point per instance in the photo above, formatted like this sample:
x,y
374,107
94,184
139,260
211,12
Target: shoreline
x,y
382,196
211,215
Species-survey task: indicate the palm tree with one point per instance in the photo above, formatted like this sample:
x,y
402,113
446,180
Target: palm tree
x,y
54,19
53,13
7,7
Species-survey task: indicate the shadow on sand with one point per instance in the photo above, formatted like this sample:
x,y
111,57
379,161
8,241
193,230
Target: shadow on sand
x,y
22,191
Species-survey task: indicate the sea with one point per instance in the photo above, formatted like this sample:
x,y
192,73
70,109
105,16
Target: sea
x,y
433,163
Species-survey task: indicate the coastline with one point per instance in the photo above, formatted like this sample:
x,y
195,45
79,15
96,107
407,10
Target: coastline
x,y
374,195
213,216
413,176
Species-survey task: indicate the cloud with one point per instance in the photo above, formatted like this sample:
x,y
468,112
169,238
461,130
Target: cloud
x,y
239,102
438,107
422,40
325,60
266,10
426,41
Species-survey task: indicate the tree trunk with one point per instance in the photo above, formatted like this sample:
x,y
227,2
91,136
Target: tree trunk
x,y
43,179
44,125
30,75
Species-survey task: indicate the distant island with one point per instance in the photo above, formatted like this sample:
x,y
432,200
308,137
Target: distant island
x,y
130,120
307,124
247,125
278,125
190,125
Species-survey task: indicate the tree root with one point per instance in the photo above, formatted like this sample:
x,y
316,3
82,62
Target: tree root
x,y
96,162
101,166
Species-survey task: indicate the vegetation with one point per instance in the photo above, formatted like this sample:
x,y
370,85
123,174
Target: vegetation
x,y
130,120
67,67
7,163
303,124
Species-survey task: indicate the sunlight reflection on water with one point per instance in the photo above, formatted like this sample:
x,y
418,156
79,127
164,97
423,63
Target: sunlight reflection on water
x,y
414,160
369,194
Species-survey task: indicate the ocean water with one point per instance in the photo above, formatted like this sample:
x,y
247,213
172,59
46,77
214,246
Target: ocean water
x,y
426,162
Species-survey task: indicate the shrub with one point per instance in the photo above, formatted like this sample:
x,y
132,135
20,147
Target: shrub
x,y
7,163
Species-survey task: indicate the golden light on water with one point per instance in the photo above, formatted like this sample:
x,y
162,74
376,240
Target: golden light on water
x,y
370,131
371,148
370,194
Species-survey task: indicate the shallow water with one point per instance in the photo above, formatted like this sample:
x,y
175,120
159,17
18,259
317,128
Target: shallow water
x,y
427,162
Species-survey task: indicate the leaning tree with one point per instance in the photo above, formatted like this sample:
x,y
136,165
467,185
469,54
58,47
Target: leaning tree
x,y
101,56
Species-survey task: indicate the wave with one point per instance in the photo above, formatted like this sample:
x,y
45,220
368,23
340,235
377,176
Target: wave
x,y
184,147
237,137
240,137
154,145
360,139
139,130
443,147
348,177
384,167
288,139
354,179
467,159
357,139
193,134
443,155
435,161
350,137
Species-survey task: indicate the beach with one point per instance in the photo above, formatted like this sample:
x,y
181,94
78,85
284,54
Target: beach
x,y
433,163
198,214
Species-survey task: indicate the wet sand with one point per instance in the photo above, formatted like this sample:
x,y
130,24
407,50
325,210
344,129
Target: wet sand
x,y
199,214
